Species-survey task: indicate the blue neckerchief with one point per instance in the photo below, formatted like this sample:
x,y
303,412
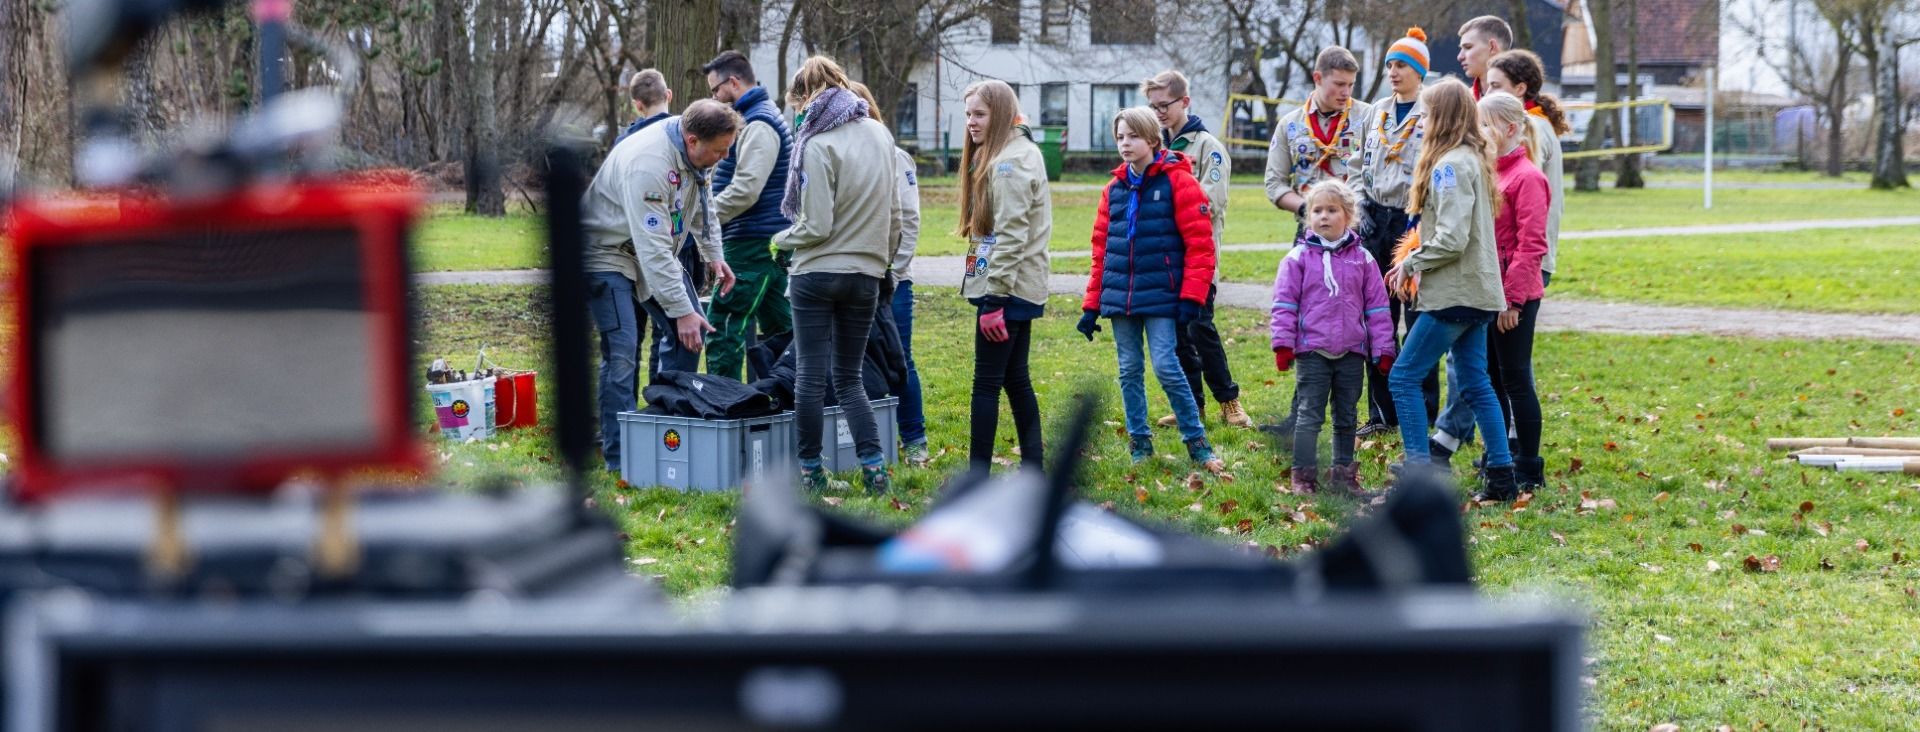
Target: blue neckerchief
x,y
1134,182
699,176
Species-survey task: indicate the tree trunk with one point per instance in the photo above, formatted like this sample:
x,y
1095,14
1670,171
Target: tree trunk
x,y
1629,174
1836,103
1588,177
1517,20
686,36
1889,164
484,195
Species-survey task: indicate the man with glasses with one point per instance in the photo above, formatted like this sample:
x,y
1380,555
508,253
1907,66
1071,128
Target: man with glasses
x,y
1199,348
747,188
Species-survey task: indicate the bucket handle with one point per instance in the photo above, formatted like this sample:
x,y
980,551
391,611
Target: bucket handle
x,y
513,399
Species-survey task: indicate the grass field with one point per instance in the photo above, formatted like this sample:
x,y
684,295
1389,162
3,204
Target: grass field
x,y
455,241
1658,438
1840,270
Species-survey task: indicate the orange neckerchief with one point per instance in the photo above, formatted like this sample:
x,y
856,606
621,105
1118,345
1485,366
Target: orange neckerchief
x,y
1325,140
1533,108
1391,153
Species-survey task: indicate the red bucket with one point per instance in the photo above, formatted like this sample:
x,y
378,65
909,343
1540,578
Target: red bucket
x,y
514,401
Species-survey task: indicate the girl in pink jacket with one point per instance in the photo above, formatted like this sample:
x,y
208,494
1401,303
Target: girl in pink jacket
x,y
1330,316
1520,235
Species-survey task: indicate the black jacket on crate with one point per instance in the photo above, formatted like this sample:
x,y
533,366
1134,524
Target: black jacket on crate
x,y
884,371
704,396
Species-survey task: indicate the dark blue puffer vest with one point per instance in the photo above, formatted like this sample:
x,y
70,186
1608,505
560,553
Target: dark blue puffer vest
x,y
763,219
1145,256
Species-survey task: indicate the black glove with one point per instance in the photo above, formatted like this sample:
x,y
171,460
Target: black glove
x,y
1089,323
1364,227
1189,312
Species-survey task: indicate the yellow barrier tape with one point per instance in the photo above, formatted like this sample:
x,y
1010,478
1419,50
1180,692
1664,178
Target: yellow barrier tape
x,y
1666,123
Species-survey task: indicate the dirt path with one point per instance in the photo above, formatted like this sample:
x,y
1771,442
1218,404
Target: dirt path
x,y
1555,314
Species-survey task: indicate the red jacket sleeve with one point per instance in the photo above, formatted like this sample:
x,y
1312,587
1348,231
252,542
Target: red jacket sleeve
x,y
1192,215
1100,222
1530,201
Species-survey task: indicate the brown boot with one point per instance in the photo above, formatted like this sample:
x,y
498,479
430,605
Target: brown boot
x,y
1169,421
1346,478
1233,416
1305,482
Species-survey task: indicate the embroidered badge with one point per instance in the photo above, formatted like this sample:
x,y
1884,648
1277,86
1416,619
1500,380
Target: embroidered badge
x,y
1216,157
1444,178
1293,129
1213,175
653,223
1004,169
803,179
673,178
652,197
911,181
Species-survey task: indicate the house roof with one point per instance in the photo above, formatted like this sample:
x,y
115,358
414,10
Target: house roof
x,y
1683,32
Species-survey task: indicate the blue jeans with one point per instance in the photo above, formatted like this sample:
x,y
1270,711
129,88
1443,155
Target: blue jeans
x,y
1162,336
912,414
1466,345
1456,417
610,299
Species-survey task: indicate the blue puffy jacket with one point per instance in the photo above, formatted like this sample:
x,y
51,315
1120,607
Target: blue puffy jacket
x,y
1152,242
763,219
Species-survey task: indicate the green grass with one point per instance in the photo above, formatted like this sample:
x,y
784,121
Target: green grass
x,y
451,240
1628,209
1840,270
1667,432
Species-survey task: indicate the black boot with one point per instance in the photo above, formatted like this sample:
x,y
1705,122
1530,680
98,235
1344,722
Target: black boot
x,y
1500,485
1441,455
1530,474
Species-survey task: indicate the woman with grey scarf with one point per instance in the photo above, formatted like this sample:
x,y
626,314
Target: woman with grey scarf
x,y
842,205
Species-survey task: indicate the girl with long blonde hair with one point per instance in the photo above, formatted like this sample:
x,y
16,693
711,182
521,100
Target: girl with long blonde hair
x,y
1457,269
1006,214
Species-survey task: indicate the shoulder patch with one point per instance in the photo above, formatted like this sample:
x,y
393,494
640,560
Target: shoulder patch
x,y
654,197
1213,176
1445,179
1003,170
1293,129
673,178
911,180
1216,157
803,179
653,223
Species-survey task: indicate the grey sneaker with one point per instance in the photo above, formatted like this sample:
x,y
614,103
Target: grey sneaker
x,y
915,454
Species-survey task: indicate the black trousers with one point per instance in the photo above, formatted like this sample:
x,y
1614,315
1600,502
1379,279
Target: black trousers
x,y
1389,223
832,314
1203,358
1510,365
1001,367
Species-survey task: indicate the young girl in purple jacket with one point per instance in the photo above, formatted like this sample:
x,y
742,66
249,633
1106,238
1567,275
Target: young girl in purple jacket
x,y
1330,317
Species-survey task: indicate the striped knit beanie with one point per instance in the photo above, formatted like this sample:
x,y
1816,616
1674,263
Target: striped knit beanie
x,y
1411,50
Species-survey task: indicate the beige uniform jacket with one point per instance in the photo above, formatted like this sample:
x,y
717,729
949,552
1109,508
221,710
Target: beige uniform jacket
x,y
1458,262
847,221
1294,157
643,203
1012,261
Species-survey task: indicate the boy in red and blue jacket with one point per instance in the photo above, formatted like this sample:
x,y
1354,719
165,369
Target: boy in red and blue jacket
x,y
1153,262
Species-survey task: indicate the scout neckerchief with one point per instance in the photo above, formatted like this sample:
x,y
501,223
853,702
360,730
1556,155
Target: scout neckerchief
x,y
1534,109
1391,153
677,136
1325,140
1476,90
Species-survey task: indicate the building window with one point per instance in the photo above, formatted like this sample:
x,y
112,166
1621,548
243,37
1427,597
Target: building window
x,y
1056,19
1121,22
1108,100
906,115
1053,105
1004,18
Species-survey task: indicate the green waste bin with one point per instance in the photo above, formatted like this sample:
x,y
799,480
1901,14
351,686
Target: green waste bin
x,y
1053,149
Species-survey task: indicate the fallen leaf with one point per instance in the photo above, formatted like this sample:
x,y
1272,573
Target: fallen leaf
x,y
896,504
1228,506
1696,547
1525,499
1826,564
642,561
1738,529
1557,538
1663,638
1664,727
1770,563
1806,506
1662,497
1245,526
1574,465
1713,566
1223,530
1751,563
1611,446
1140,494
1195,482
1654,568
1196,507
1860,546
1823,528
1899,412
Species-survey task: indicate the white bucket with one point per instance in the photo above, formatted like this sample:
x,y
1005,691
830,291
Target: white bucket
x,y
464,409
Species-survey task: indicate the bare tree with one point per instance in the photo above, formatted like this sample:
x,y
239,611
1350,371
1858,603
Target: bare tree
x,y
1629,174
484,195
1815,65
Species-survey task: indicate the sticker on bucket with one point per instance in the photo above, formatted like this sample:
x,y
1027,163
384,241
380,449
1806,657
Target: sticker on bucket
x,y
671,439
454,407
841,432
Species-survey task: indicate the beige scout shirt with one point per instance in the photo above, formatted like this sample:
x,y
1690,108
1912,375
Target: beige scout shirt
x,y
906,181
1553,164
643,203
847,221
1387,159
1012,261
1294,157
1458,262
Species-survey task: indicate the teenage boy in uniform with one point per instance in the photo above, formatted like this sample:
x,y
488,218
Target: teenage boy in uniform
x,y
649,200
747,190
1481,39
1318,141
1321,139
1395,131
1199,348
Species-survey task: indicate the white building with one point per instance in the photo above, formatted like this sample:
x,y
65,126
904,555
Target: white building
x,y
1068,68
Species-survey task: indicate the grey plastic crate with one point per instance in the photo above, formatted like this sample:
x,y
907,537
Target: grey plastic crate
x,y
836,440
703,454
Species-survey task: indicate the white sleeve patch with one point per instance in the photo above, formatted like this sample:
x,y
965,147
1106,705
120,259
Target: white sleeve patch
x,y
654,223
